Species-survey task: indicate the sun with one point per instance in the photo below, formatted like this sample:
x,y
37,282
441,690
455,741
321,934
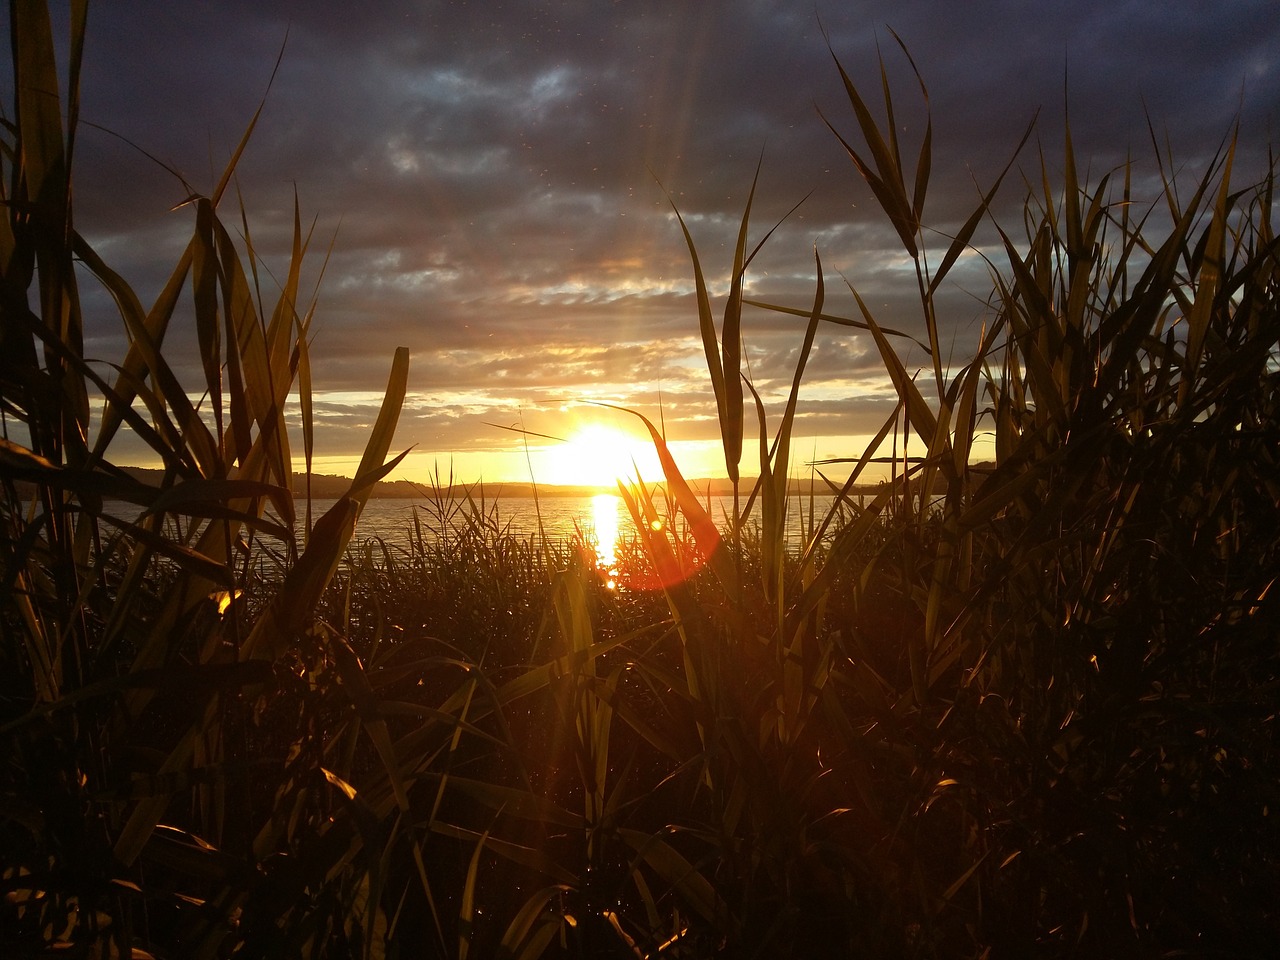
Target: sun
x,y
597,455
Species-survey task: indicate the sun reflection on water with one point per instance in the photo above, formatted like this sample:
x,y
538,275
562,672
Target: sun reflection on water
x,y
605,522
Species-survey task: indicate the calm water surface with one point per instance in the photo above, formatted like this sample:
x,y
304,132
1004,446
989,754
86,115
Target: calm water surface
x,y
603,519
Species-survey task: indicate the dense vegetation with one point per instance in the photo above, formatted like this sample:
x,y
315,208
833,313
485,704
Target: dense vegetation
x,y
1034,716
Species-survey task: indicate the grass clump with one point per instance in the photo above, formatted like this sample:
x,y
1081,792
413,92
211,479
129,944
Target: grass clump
x,y
996,719
133,664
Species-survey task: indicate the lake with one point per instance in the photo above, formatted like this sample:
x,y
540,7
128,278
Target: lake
x,y
603,519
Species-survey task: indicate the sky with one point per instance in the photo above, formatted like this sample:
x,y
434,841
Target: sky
x,y
498,179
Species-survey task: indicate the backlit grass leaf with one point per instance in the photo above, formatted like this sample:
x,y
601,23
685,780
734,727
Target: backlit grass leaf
x,y
144,816
250,387
146,359
516,802
286,315
925,160
466,905
703,527
731,424
831,318
537,678
521,939
379,442
306,408
782,444
204,282
191,495
517,853
39,110
886,182
21,463
351,672
847,541
918,413
187,558
706,321
146,331
1208,280
966,420
771,510
292,607
688,883
960,241
961,880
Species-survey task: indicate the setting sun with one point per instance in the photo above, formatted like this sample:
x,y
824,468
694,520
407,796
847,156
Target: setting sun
x,y
599,456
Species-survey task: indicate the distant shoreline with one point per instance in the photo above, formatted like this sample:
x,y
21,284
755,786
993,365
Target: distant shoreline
x,y
330,486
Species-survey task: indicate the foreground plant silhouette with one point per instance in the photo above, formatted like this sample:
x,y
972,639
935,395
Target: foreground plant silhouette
x,y
1020,707
132,655
996,713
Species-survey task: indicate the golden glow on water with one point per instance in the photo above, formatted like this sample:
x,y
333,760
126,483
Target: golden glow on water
x,y
605,510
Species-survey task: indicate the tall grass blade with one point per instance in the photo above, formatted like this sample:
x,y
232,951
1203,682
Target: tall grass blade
x,y
886,180
379,442
706,323
731,423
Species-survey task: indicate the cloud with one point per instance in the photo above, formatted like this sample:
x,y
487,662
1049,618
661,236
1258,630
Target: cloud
x,y
493,177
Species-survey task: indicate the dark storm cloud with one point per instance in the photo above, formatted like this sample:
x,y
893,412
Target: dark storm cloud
x,y
492,169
